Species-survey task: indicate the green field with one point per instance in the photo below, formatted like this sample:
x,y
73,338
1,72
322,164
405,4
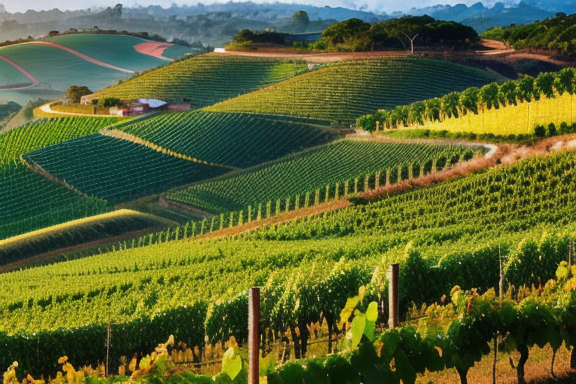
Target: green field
x,y
117,50
344,91
344,162
45,132
10,76
31,201
206,79
177,51
117,170
60,69
234,139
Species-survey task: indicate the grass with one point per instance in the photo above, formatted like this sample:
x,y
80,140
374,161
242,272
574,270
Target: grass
x,y
10,76
342,92
58,68
117,50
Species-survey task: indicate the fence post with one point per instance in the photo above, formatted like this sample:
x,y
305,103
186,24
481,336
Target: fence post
x,y
108,334
253,335
393,295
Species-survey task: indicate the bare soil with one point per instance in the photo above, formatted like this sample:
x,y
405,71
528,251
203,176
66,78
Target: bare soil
x,y
154,49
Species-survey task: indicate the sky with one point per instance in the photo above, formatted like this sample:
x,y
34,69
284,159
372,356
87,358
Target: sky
x,y
370,5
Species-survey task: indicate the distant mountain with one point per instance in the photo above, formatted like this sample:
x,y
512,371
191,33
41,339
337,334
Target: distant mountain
x,y
566,6
481,17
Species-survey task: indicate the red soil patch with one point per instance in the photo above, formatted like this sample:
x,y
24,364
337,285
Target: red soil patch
x,y
493,44
82,56
153,48
34,80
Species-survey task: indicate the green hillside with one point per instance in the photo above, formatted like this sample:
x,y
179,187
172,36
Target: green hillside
x,y
60,69
456,231
45,132
234,139
344,162
344,91
117,170
116,50
10,76
31,201
206,79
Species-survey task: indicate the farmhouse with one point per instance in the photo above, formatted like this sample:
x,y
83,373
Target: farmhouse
x,y
137,107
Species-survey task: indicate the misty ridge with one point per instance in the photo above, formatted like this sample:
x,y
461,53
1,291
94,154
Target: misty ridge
x,y
216,24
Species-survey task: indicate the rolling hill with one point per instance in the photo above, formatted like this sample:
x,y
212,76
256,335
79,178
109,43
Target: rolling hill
x,y
342,92
206,79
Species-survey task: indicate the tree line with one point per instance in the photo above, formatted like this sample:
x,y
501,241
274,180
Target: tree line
x,y
473,100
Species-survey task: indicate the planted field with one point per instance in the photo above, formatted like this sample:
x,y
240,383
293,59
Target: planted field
x,y
116,50
342,92
508,199
76,232
517,119
206,79
445,235
30,201
58,68
344,162
234,139
45,132
117,170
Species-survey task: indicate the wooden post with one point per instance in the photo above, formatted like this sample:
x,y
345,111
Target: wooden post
x,y
253,335
109,331
393,270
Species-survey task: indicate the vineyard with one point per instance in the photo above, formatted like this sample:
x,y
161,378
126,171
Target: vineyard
x,y
536,190
45,132
76,232
511,108
31,201
206,79
308,173
234,139
116,170
342,92
520,213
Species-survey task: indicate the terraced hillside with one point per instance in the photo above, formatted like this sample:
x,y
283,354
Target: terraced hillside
x,y
45,132
342,92
75,232
30,201
116,170
447,234
234,139
206,79
344,162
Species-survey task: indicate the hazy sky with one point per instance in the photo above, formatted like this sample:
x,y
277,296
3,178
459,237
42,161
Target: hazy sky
x,y
372,5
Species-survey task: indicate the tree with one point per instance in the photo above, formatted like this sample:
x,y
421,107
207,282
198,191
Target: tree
x,y
75,93
489,96
565,81
301,17
469,100
545,84
95,105
508,93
